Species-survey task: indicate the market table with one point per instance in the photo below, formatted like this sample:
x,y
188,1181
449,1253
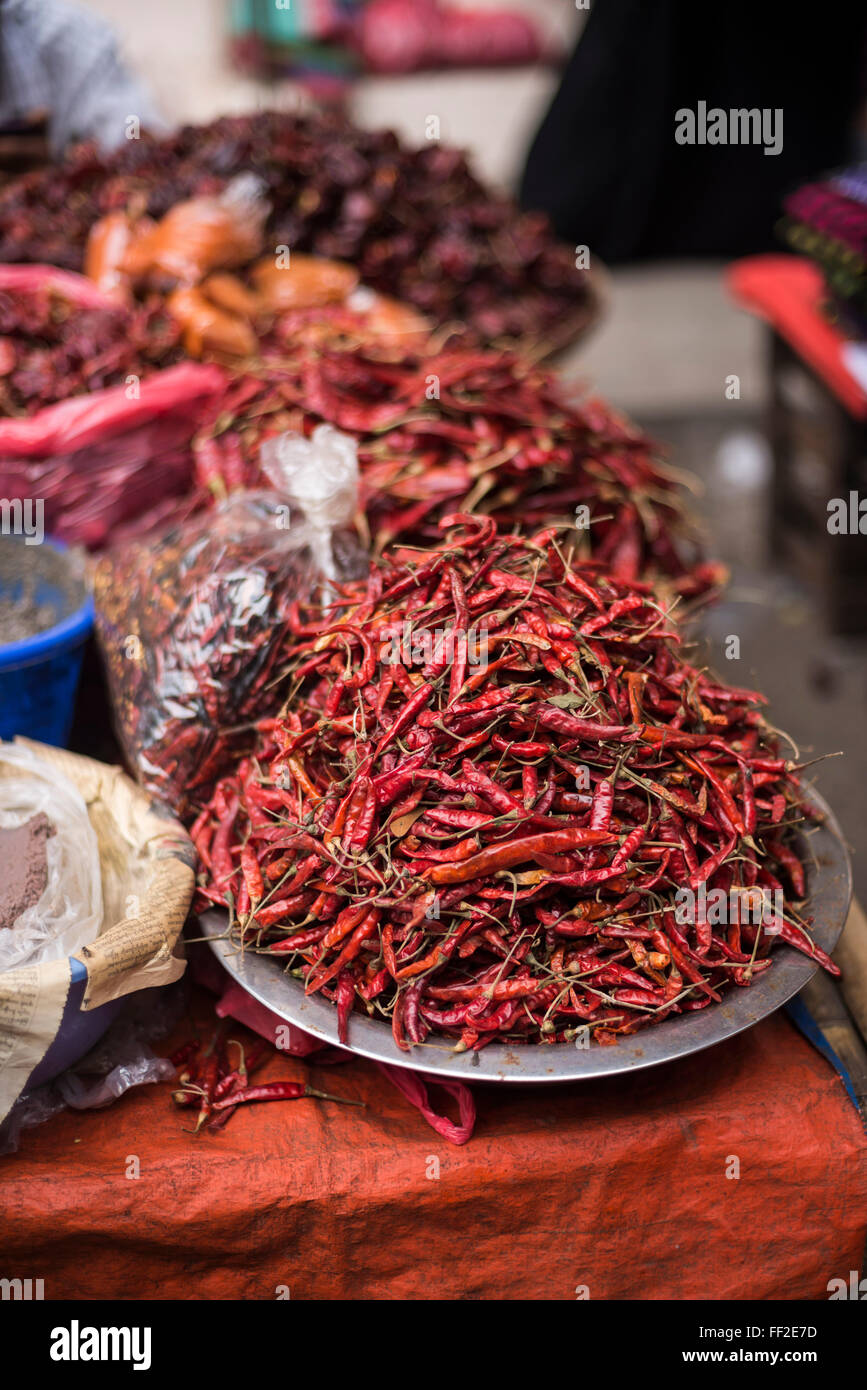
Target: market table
x,y
817,427
625,1188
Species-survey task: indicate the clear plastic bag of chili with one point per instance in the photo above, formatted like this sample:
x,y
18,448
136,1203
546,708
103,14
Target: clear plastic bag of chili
x,y
191,620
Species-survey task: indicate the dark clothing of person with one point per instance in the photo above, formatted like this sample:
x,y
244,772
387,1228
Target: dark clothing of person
x,y
605,163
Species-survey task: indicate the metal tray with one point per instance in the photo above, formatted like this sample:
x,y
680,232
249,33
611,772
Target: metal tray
x,y
830,891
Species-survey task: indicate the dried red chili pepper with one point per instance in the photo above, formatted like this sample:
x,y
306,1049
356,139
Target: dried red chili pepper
x,y
207,1078
279,1090
54,349
523,892
416,222
184,1054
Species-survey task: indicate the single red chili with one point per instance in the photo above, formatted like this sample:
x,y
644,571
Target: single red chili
x,y
279,1090
252,874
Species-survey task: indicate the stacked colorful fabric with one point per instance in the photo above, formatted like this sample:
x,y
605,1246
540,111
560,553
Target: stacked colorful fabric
x,y
305,40
827,221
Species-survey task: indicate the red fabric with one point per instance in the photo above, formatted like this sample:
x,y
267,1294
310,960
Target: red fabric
x,y
618,1185
238,1004
788,292
414,1086
398,36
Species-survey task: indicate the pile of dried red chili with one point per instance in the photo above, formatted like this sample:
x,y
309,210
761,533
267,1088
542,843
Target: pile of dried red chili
x,y
463,430
51,349
415,223
493,782
214,1088
208,608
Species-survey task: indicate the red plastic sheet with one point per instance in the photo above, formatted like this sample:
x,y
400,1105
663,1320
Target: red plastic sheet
x,y
788,292
620,1187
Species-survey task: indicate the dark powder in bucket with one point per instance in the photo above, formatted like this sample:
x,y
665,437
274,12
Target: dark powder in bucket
x,y
23,866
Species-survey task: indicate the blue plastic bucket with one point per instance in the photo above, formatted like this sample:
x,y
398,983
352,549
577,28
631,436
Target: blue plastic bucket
x,y
39,675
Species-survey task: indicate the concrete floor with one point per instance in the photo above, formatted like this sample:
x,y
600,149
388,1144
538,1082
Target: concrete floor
x,y
669,338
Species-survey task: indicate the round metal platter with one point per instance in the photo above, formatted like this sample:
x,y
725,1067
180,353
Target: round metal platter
x,y
830,890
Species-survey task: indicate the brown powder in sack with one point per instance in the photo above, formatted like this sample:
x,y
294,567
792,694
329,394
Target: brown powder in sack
x,y
23,866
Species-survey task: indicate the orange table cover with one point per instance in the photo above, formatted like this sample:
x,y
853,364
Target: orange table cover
x,y
621,1187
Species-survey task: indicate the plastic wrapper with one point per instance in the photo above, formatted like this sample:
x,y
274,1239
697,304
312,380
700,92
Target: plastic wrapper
x,y
69,912
100,460
105,460
53,1011
306,282
201,235
27,1112
121,1060
191,621
124,1058
320,475
107,245
208,327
